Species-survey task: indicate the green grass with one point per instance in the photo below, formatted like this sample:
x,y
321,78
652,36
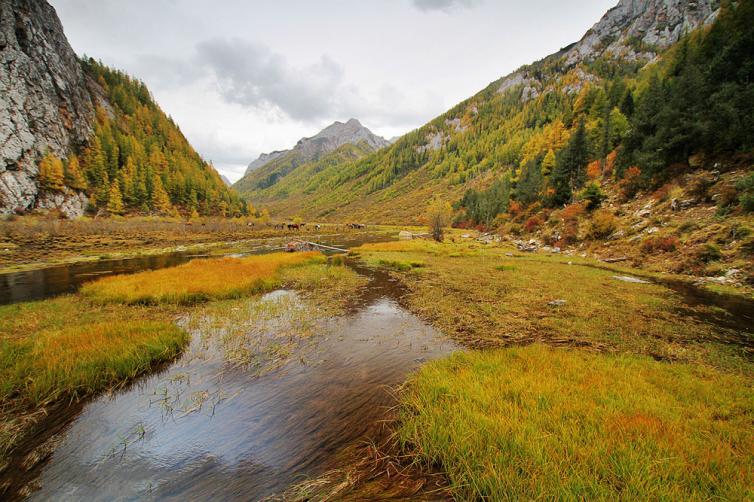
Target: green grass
x,y
543,423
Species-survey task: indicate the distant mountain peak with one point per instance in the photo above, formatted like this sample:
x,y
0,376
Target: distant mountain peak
x,y
327,140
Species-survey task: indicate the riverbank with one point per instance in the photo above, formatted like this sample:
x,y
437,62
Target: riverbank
x,y
627,386
29,243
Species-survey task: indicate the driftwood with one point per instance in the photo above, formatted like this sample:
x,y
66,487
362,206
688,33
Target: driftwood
x,y
314,244
615,260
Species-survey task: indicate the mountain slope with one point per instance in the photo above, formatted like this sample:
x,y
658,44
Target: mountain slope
x,y
271,168
524,118
76,135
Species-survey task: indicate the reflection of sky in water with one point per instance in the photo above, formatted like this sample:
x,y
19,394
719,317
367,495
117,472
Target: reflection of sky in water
x,y
270,430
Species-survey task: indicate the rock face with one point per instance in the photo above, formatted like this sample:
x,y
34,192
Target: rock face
x,y
637,28
327,140
46,103
633,30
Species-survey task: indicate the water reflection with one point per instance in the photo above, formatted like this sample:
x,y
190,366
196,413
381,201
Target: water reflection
x,y
251,436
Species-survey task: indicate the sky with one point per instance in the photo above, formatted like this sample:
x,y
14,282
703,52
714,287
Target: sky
x,y
242,77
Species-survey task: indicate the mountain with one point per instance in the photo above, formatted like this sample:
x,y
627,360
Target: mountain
x,y
272,167
225,180
515,134
76,135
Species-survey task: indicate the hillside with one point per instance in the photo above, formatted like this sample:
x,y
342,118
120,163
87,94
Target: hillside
x,y
273,175
518,127
77,136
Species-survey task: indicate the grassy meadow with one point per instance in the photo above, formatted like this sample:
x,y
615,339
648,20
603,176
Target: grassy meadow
x,y
575,385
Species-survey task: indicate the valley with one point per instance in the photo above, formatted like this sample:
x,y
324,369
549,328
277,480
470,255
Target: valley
x,y
544,292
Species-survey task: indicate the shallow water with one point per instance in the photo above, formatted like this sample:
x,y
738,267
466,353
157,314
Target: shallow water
x,y
253,436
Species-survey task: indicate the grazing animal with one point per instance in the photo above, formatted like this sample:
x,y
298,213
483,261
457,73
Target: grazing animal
x,y
293,226
317,226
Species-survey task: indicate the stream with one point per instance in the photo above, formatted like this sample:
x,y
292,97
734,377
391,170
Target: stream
x,y
202,429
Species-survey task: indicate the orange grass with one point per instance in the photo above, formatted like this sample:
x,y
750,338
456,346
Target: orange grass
x,y
197,280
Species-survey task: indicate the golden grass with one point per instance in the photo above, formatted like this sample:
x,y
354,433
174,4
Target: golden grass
x,y
196,281
555,424
68,348
82,359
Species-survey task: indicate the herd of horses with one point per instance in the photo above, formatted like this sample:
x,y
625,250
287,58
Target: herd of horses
x,y
317,226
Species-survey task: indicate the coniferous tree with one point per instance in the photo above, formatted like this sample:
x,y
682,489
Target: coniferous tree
x,y
72,174
51,176
160,199
114,199
570,169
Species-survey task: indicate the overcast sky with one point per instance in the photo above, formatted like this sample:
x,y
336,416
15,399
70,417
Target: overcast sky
x,y
243,77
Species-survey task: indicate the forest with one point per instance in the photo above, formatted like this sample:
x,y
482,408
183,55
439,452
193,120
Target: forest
x,y
138,161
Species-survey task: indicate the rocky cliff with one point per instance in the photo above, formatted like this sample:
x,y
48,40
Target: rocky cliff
x,y
46,103
638,29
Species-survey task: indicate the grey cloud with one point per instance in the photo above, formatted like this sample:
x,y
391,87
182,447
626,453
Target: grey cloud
x,y
251,75
444,5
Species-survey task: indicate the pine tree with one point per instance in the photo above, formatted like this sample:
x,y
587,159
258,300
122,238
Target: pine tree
x,y
570,170
51,175
115,199
73,177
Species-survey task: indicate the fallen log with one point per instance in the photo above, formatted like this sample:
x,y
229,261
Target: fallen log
x,y
615,260
331,248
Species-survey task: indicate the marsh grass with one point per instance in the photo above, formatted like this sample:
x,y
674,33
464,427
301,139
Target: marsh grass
x,y
544,423
196,281
67,348
491,297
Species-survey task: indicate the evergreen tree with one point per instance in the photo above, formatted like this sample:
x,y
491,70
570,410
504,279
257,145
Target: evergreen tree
x,y
570,169
548,163
530,184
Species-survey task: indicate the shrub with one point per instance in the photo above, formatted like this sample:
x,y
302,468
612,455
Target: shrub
x,y
631,182
746,187
603,224
592,196
708,253
533,223
663,244
572,212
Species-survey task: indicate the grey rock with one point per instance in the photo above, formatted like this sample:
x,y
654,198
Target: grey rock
x,y
70,203
557,303
47,101
636,29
